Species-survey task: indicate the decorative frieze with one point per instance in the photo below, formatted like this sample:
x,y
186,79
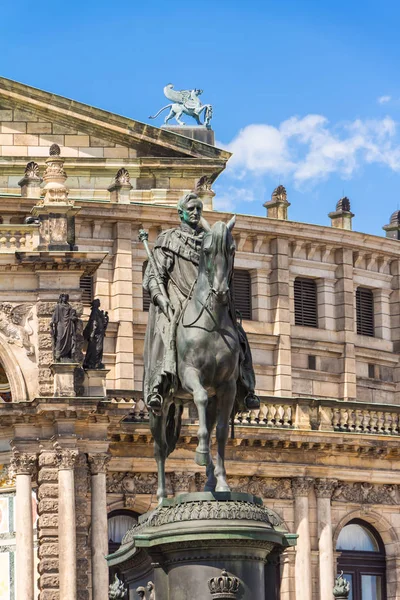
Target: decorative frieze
x,y
367,493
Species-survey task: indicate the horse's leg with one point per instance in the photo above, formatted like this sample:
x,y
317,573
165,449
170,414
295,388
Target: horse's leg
x,y
197,117
211,417
157,425
191,383
225,400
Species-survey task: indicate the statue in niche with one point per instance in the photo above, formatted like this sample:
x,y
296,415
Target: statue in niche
x,y
94,334
63,330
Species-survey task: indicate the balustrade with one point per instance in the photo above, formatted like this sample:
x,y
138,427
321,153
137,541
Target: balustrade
x,y
18,237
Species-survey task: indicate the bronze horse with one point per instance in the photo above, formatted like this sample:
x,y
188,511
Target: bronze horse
x,y
207,347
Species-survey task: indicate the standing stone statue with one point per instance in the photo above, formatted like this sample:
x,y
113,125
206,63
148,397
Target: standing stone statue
x,y
63,330
176,257
94,334
117,589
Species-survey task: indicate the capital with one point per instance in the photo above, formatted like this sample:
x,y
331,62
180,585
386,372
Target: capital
x,y
66,457
301,486
23,463
324,488
98,463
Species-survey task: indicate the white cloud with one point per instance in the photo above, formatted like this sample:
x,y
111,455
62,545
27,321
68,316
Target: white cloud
x,y
309,149
384,99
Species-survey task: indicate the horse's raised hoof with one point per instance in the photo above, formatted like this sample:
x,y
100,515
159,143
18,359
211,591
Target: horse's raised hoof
x,y
202,458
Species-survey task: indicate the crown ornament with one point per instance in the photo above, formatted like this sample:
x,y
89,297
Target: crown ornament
x,y
224,586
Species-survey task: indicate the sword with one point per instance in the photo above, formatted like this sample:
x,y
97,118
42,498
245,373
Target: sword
x,y
144,237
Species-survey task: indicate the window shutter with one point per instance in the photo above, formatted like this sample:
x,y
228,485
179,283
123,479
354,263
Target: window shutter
x,y
86,285
365,311
242,292
305,302
146,295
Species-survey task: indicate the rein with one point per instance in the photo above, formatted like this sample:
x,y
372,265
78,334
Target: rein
x,y
204,304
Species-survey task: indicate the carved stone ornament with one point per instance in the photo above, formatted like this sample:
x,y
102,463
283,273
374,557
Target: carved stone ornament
x,y
122,177
15,325
301,486
224,586
98,463
23,463
204,510
366,493
203,186
131,483
342,587
54,150
117,589
66,457
279,194
324,488
32,170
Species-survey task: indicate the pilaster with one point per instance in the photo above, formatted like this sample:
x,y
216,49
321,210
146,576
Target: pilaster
x,y
279,298
345,313
98,468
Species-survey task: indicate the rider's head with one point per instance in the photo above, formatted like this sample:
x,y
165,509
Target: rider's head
x,y
190,208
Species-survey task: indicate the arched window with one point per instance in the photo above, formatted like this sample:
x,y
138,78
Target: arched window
x,y
119,521
362,559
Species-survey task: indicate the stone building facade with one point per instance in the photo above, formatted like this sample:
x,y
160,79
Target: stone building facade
x,y
323,322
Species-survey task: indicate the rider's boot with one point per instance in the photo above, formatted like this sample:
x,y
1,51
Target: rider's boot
x,y
154,403
251,401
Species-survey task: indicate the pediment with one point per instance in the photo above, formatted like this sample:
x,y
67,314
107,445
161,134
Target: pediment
x,y
31,120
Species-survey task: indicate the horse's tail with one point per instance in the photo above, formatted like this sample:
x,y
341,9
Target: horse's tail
x,y
173,426
160,111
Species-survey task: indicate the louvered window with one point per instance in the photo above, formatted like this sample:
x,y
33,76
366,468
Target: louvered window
x,y
146,295
86,285
242,292
305,302
365,311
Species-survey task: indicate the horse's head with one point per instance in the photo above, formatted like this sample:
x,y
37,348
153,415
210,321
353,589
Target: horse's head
x,y
217,256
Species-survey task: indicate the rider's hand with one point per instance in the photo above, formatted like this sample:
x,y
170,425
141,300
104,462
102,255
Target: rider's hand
x,y
164,305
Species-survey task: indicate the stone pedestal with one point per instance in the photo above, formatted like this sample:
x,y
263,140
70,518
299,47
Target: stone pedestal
x,y
95,382
191,539
195,132
64,374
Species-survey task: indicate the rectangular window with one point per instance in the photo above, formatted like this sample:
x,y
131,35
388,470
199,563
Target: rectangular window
x,y
305,302
86,285
242,292
312,362
365,311
371,371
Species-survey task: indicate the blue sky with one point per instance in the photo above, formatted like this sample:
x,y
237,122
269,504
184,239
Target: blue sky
x,y
305,92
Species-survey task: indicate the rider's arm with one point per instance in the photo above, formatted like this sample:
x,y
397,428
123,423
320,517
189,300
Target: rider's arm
x,y
164,261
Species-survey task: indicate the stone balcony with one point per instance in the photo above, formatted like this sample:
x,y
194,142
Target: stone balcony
x,y
290,423
16,238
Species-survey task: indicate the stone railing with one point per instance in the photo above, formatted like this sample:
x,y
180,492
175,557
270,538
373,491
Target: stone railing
x,y
18,237
324,415
310,414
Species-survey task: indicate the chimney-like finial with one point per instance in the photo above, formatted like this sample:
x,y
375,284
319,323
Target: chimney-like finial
x,y
393,228
341,218
277,207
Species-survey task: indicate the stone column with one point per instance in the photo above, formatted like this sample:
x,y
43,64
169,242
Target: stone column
x,y
66,522
345,313
98,467
301,487
323,490
24,466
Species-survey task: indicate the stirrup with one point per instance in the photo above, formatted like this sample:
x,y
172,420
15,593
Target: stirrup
x,y
154,403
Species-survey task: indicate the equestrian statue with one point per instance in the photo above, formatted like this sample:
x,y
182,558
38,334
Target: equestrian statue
x,y
185,102
195,346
